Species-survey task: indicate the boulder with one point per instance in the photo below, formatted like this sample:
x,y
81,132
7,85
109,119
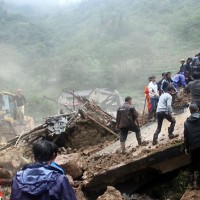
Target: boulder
x,y
111,194
13,161
73,164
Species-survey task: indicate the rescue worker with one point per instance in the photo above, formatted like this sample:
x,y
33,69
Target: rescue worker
x,y
44,179
127,120
164,111
192,144
146,93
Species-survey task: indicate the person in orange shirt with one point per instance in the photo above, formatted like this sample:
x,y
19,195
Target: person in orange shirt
x,y
146,94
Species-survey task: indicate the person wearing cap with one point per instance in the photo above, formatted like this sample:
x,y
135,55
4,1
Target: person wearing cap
x,y
164,111
192,144
127,120
182,67
20,102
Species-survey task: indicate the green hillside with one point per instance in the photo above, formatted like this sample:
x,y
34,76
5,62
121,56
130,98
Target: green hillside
x,y
98,43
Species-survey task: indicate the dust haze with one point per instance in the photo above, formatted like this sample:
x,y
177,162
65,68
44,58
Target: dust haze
x,y
72,44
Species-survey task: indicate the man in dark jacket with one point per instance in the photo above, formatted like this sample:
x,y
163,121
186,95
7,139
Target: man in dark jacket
x,y
192,143
166,82
127,121
194,88
43,180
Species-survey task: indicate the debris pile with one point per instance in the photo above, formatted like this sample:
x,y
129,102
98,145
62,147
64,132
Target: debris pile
x,y
88,126
79,135
182,101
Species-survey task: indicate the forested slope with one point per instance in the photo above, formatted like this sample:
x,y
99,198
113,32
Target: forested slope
x,y
97,43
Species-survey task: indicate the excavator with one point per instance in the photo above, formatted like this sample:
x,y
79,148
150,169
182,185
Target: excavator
x,y
12,121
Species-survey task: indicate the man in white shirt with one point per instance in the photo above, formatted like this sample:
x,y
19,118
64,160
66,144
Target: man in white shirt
x,y
164,111
154,95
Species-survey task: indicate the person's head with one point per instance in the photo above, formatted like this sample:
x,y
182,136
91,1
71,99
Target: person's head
x,y
193,108
153,79
150,79
182,61
168,75
189,60
19,91
128,99
186,74
196,75
163,75
171,89
197,55
44,151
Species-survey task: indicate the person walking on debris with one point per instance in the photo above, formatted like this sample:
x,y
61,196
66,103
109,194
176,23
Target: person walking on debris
x,y
192,144
146,93
44,179
160,83
194,88
166,82
154,95
195,65
164,111
20,102
127,120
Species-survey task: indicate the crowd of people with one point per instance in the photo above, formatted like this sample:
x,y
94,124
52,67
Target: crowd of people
x,y
159,96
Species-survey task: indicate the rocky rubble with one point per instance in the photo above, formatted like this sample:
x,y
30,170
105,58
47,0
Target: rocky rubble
x,y
111,194
82,139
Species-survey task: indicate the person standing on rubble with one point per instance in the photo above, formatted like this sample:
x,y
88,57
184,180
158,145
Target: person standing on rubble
x,y
192,144
147,97
194,88
164,111
166,82
182,67
127,120
44,179
154,95
20,102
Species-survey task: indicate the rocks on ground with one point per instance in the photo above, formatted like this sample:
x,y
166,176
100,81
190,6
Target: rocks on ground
x,y
191,195
73,164
111,194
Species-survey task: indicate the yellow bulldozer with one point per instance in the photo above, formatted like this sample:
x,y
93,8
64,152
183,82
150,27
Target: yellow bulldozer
x,y
12,121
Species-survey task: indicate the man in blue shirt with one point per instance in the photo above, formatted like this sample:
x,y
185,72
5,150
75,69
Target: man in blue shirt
x,y
179,81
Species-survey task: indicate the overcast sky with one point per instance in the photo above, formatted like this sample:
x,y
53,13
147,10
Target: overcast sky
x,y
42,2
